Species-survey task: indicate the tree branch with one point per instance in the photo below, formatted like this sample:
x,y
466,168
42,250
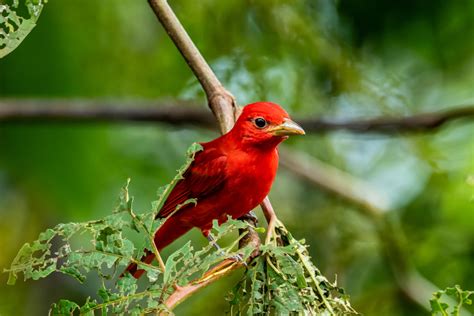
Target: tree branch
x,y
188,113
220,100
222,105
181,293
92,111
384,124
334,181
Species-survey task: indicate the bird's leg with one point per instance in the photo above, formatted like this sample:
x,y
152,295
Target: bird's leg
x,y
271,219
236,257
215,244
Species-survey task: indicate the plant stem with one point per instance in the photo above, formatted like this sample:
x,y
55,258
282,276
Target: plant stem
x,y
313,278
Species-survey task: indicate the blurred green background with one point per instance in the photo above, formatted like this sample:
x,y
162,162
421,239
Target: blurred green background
x,y
320,58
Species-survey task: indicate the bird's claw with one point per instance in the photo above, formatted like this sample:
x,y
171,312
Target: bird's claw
x,y
235,257
238,258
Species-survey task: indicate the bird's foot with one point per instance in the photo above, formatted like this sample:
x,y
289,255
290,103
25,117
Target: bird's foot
x,y
238,258
213,242
250,216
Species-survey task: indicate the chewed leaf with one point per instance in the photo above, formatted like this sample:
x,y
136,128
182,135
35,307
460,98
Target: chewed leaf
x,y
15,28
12,278
125,202
74,272
181,255
193,149
64,307
47,235
461,298
285,281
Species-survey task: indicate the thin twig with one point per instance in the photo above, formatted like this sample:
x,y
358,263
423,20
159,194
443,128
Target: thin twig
x,y
185,112
316,283
271,218
150,236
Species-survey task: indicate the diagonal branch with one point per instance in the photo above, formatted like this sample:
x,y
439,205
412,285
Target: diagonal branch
x,y
334,181
377,208
223,106
215,273
220,100
185,112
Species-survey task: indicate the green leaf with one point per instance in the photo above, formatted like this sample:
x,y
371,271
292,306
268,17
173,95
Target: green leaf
x,y
15,28
285,281
171,265
64,307
74,272
460,298
193,149
127,285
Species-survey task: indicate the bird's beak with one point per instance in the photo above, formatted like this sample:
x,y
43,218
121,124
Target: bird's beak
x,y
287,128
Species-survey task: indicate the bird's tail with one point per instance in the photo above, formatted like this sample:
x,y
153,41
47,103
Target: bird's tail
x,y
166,234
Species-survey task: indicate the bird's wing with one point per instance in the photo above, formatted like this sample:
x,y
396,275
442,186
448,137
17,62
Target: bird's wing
x,y
205,176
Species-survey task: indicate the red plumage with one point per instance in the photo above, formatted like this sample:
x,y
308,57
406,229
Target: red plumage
x,y
230,176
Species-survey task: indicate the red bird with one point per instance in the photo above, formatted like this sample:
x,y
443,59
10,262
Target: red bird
x,y
230,176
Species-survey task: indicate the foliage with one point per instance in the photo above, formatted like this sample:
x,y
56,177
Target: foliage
x,y
13,27
282,279
461,297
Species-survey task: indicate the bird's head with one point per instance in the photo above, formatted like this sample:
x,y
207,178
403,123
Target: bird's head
x,y
265,124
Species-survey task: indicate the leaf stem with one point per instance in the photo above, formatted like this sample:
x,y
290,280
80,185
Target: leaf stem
x,y
313,277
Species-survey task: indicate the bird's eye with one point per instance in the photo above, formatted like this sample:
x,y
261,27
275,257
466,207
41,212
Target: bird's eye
x,y
260,122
